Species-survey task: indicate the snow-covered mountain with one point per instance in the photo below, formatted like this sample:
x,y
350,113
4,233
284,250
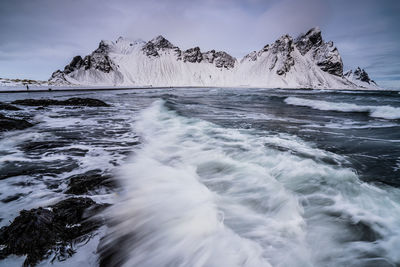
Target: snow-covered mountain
x,y
361,78
304,62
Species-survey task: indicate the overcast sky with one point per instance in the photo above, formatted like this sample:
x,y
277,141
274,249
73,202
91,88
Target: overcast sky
x,y
38,37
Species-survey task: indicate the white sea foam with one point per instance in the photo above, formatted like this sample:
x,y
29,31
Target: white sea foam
x,y
197,194
385,112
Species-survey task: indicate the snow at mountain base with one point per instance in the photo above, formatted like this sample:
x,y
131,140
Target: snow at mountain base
x,y
304,62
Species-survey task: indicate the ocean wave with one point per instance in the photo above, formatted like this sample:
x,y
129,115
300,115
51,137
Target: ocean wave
x,y
384,112
197,194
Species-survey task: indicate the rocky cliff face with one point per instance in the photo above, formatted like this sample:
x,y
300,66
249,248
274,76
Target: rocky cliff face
x,y
306,61
159,44
282,49
324,54
98,60
360,77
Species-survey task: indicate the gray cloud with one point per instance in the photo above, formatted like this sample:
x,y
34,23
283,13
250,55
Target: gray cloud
x,y
39,36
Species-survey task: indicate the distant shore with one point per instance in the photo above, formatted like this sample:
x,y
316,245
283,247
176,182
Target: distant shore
x,y
38,89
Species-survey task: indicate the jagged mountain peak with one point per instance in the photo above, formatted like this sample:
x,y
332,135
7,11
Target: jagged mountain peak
x,y
325,54
306,41
161,42
284,43
360,77
104,46
306,61
315,35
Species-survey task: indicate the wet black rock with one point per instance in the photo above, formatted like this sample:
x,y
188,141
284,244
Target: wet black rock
x,y
43,146
34,168
39,232
89,181
13,198
8,124
5,106
75,101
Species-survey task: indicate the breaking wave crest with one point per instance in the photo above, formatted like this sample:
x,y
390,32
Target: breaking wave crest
x,y
384,112
197,194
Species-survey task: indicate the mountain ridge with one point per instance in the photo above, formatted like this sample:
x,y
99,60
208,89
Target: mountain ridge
x,y
303,62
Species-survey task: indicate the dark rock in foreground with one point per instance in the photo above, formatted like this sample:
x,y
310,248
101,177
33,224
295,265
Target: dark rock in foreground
x,y
8,124
89,181
13,197
75,101
52,168
38,232
5,106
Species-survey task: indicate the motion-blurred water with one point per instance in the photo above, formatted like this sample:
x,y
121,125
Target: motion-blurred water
x,y
228,177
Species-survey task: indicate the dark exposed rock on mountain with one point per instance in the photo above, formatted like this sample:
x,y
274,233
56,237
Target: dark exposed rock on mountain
x,y
39,232
282,49
75,101
305,62
98,60
76,63
325,55
220,59
193,55
58,77
251,56
306,42
360,75
224,60
151,48
8,124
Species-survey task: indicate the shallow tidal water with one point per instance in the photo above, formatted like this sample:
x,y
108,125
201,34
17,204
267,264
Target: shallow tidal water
x,y
219,177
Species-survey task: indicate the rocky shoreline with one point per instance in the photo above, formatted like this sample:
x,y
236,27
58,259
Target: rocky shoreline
x,y
50,231
37,233
8,123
